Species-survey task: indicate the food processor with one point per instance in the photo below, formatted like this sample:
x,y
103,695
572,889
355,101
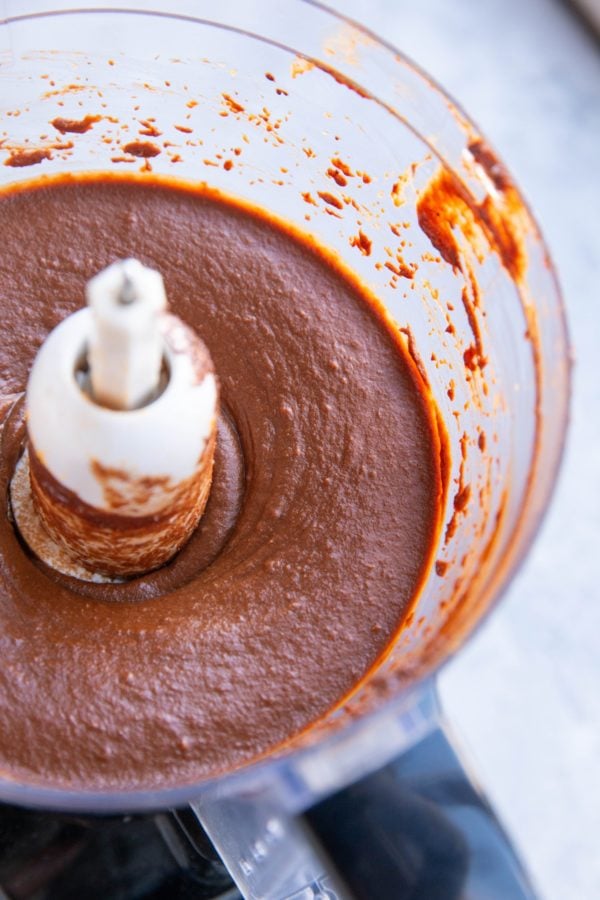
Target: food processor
x,y
293,108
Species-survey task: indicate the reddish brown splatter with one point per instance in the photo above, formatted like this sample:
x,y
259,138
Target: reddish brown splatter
x,y
396,192
232,104
416,358
281,92
331,199
471,358
308,198
20,158
339,178
469,307
400,268
345,82
485,157
364,243
269,76
451,529
67,89
148,128
446,205
441,567
300,66
143,149
461,500
228,164
481,441
74,126
185,129
463,493
437,214
342,166
506,240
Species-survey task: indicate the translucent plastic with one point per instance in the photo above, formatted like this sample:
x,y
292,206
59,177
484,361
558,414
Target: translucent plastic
x,y
293,108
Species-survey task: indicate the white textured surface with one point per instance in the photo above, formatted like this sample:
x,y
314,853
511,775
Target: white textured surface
x,y
525,693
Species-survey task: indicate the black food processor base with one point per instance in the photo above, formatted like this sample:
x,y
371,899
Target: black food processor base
x,y
161,857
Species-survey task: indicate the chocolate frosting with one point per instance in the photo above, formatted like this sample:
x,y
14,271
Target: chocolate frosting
x,y
319,527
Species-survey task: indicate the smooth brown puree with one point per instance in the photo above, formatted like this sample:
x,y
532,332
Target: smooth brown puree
x,y
319,528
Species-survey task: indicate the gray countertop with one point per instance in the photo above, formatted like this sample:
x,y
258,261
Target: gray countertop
x,y
525,693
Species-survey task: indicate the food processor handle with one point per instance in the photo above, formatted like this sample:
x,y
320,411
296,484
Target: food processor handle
x,y
417,829
388,812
